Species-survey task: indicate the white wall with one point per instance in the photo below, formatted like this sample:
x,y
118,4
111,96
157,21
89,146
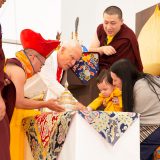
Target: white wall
x,y
42,16
90,13
50,16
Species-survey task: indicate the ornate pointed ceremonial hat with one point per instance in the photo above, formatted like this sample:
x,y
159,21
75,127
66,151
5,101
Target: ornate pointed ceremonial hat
x,y
35,41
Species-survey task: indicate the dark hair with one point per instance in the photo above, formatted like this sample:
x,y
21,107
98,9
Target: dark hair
x,y
104,75
112,10
129,74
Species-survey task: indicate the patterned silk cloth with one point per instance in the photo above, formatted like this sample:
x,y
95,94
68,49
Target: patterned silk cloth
x,y
110,125
87,67
47,132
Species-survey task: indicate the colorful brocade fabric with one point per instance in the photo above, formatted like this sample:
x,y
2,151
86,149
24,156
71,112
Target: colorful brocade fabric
x,y
110,125
87,67
46,134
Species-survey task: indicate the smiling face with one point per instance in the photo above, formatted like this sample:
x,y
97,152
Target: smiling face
x,y
105,88
112,24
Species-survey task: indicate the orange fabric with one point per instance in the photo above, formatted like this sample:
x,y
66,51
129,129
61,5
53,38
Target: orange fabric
x,y
25,63
33,40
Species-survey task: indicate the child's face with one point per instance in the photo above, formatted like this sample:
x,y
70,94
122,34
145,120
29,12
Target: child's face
x,y
105,88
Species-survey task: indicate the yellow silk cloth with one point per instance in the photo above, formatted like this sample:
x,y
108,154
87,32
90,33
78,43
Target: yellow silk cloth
x,y
27,66
110,105
18,143
18,137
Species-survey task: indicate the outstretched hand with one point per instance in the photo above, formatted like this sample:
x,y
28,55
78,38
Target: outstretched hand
x,y
79,106
53,105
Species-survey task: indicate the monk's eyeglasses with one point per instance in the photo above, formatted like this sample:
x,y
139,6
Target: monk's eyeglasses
x,y
42,63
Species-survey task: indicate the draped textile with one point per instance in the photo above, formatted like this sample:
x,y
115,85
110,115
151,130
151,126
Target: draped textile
x,y
110,125
46,133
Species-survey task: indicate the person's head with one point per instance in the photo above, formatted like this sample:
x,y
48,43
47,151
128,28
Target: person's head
x,y
2,2
124,75
68,54
112,20
36,60
104,83
124,72
37,48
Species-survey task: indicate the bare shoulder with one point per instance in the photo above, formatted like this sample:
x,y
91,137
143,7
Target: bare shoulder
x,y
15,72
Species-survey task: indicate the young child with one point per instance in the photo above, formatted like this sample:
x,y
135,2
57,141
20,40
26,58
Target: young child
x,y
110,97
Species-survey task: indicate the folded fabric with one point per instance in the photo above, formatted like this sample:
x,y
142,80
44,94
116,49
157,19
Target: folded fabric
x,y
110,125
46,133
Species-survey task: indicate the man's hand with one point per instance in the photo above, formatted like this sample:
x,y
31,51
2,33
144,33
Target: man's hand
x,y
53,105
2,108
108,50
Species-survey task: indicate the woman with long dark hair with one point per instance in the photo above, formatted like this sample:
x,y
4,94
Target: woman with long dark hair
x,y
140,94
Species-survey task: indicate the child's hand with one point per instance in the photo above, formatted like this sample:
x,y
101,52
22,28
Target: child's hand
x,y
104,103
80,106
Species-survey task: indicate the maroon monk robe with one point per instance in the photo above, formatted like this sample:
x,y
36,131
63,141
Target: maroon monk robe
x,y
125,44
9,95
8,92
2,61
4,124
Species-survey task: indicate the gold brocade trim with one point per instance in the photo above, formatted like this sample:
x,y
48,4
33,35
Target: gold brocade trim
x,y
22,57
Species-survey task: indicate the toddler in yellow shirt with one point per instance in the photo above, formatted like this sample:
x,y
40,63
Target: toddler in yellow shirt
x,y
109,96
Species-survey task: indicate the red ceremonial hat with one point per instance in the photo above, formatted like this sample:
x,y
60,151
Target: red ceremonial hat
x,y
33,40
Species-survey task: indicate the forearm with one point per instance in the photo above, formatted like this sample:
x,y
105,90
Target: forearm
x,y
96,49
96,103
30,104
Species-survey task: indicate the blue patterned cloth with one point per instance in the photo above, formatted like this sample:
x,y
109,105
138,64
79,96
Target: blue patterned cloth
x,y
87,67
110,125
84,49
